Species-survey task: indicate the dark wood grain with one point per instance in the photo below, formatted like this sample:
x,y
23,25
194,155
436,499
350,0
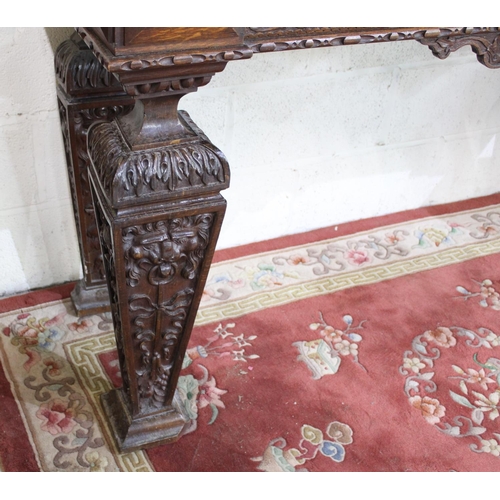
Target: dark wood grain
x,y
155,180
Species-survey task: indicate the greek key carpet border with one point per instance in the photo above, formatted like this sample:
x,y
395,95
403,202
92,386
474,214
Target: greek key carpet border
x,y
83,356
292,293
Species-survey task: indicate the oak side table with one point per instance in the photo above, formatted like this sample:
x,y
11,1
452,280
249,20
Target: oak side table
x,y
146,182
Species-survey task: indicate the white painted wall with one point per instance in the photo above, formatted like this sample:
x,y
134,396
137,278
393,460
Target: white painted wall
x,y
314,138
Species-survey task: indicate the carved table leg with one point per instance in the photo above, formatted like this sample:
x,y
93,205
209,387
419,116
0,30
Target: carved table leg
x,y
87,94
156,181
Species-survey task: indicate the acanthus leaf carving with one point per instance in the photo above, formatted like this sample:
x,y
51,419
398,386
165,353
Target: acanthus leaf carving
x,y
77,68
126,175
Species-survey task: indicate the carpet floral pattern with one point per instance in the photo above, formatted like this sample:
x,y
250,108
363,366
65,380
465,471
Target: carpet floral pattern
x,y
377,350
470,390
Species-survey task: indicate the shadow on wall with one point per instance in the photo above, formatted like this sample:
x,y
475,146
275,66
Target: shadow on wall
x,y
12,277
57,35
36,248
63,220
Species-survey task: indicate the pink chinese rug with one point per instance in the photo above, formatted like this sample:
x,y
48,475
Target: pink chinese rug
x,y
371,346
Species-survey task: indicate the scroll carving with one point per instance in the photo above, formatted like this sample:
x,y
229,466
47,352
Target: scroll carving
x,y
224,56
442,41
279,39
162,261
132,64
486,47
157,349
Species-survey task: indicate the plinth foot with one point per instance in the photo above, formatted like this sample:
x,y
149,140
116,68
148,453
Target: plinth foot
x,y
133,434
89,301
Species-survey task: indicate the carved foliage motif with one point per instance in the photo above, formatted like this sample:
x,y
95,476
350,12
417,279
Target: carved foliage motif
x,y
279,39
162,262
287,38
181,60
126,64
486,47
155,351
77,68
483,41
126,174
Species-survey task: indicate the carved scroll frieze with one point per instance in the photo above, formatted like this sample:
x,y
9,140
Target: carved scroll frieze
x,y
280,39
129,64
440,40
162,265
485,46
156,61
173,169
